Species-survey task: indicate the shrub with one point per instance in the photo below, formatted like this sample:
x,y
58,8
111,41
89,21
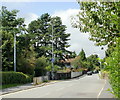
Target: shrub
x,y
55,67
103,74
41,62
113,67
40,66
26,65
14,77
38,72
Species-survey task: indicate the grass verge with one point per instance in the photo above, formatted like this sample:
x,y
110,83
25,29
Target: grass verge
x,y
9,85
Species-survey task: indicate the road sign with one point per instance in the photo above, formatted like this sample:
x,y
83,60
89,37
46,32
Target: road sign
x,y
52,60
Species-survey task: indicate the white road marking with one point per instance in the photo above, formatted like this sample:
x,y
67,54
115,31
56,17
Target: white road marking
x,y
19,91
101,90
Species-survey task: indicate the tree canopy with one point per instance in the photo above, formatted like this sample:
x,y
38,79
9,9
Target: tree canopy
x,y
82,55
32,42
101,20
41,29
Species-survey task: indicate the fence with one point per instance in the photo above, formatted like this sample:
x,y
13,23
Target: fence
x,y
58,76
67,75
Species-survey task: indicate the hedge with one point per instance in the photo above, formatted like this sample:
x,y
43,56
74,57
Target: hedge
x,y
113,67
14,77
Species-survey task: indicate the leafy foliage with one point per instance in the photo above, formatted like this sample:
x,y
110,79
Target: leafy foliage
x,y
82,55
49,68
101,20
77,62
93,62
90,62
41,30
14,77
41,64
113,67
10,25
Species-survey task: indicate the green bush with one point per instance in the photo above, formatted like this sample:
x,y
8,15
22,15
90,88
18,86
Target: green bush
x,y
113,67
55,67
40,66
26,65
14,77
38,72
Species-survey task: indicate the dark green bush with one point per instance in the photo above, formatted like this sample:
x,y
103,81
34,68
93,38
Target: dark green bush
x,y
40,66
26,65
14,77
38,72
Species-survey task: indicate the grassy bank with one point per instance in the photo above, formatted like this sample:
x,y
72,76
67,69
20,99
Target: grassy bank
x,y
9,85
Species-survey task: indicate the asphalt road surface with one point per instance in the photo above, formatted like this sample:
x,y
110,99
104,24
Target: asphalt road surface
x,y
83,87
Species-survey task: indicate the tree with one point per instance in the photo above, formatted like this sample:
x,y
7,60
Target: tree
x,y
71,55
101,20
41,30
93,62
77,62
26,55
10,25
41,64
82,55
60,38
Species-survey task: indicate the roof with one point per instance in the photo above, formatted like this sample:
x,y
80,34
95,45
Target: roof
x,y
68,60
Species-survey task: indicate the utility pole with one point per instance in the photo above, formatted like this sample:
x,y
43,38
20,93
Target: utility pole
x,y
52,54
14,52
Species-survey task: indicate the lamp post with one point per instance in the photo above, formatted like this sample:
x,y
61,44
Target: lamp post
x,y
52,55
14,52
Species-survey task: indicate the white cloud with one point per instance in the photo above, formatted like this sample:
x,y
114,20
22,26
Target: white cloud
x,y
29,17
78,40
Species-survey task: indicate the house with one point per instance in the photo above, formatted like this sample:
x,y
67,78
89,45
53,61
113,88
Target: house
x,y
67,62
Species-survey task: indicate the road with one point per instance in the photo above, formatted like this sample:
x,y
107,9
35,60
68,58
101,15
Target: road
x,y
83,87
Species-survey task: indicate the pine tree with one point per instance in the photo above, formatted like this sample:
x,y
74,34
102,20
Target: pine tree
x,y
10,25
82,55
41,30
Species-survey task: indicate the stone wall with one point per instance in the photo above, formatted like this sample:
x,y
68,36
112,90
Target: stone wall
x,y
75,74
38,80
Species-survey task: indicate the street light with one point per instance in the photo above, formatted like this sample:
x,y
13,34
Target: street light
x,y
52,54
14,52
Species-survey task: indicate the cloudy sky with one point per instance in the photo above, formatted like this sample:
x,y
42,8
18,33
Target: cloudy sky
x,y
32,10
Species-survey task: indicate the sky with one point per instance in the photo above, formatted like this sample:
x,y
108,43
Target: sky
x,y
78,40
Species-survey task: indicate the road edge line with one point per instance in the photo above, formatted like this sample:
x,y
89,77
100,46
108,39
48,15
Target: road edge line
x,y
26,88
101,90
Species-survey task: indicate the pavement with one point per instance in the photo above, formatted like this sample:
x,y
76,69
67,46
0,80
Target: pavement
x,y
106,91
82,87
23,87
